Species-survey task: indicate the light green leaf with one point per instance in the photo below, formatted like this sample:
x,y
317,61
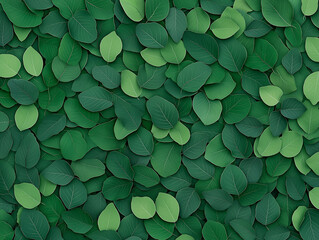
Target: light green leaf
x,y
312,48
298,216
268,145
9,65
313,163
309,7
224,27
314,197
109,218
180,133
111,47
291,144
129,84
167,207
311,87
26,116
27,195
134,9
270,94
143,207
32,61
309,121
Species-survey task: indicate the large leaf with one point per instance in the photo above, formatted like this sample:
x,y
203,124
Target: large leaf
x,y
34,224
277,13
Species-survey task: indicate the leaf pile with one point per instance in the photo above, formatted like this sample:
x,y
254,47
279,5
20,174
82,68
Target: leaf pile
x,y
159,119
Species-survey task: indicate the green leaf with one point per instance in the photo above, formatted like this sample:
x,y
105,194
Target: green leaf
x,y
109,219
268,145
141,142
9,65
198,20
25,18
309,229
100,10
119,165
166,158
156,10
235,108
228,182
6,231
217,153
264,56
257,28
6,32
32,61
282,79
267,210
239,145
309,7
103,136
143,207
277,123
277,165
188,200
243,228
250,127
158,229
134,9
176,24
270,94
312,162
310,87
129,84
95,99
69,51
298,216
145,176
34,224
214,231
4,121
107,75
50,125
59,172
208,111
174,52
27,195
151,35
77,114
253,193
291,108
26,116
73,146
167,207
180,133
277,13
232,55
218,199
310,119
292,61
86,169
23,92
224,27
291,144
68,7
82,27
74,194
193,76
64,72
115,188
202,47
110,47
28,152
163,113
77,220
